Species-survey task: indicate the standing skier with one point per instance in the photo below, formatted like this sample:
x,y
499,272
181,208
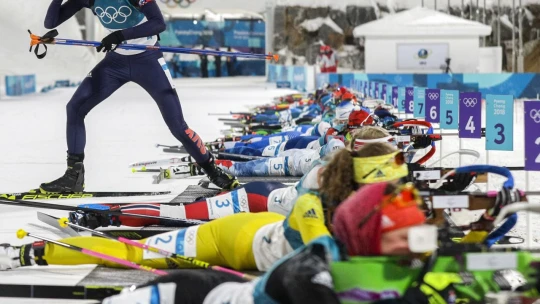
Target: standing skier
x,y
129,21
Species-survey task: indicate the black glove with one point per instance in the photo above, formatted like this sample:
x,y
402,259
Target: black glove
x,y
93,220
303,278
114,38
458,182
422,142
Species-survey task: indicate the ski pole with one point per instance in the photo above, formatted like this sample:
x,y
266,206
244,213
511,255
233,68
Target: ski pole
x,y
49,38
64,223
21,234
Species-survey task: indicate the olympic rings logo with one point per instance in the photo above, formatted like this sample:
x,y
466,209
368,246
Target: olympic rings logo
x,y
535,115
243,203
433,96
181,3
190,237
469,102
106,17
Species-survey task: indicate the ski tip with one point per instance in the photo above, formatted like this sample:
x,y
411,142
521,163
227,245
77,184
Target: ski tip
x,y
21,234
63,222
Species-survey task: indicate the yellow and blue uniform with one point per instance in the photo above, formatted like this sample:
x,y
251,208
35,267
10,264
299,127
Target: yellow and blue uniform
x,y
226,242
239,241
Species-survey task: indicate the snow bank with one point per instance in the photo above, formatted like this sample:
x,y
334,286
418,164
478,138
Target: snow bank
x,y
335,4
312,25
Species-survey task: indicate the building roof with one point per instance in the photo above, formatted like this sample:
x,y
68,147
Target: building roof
x,y
421,21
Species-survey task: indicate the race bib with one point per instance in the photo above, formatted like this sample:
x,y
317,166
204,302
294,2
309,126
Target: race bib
x,y
282,200
311,180
278,166
314,145
273,150
230,203
277,139
182,242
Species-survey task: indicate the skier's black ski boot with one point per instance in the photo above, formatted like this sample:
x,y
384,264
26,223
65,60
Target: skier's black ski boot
x,y
71,181
217,176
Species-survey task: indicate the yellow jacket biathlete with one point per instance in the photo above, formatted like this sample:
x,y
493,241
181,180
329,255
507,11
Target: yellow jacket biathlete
x,y
243,241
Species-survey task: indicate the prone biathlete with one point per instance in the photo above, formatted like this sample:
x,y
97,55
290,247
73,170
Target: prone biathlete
x,y
127,21
293,162
251,197
271,145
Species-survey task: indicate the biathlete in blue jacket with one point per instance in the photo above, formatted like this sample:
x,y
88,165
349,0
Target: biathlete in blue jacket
x,y
128,21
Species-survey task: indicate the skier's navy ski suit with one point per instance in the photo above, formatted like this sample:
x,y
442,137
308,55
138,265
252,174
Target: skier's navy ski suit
x,y
140,22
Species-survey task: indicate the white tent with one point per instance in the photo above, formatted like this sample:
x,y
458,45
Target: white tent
x,y
419,40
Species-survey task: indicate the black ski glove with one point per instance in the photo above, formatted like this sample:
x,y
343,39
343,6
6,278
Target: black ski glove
x,y
422,142
114,38
458,182
93,220
303,278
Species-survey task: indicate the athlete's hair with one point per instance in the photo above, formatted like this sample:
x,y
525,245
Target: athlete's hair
x,y
337,179
367,132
